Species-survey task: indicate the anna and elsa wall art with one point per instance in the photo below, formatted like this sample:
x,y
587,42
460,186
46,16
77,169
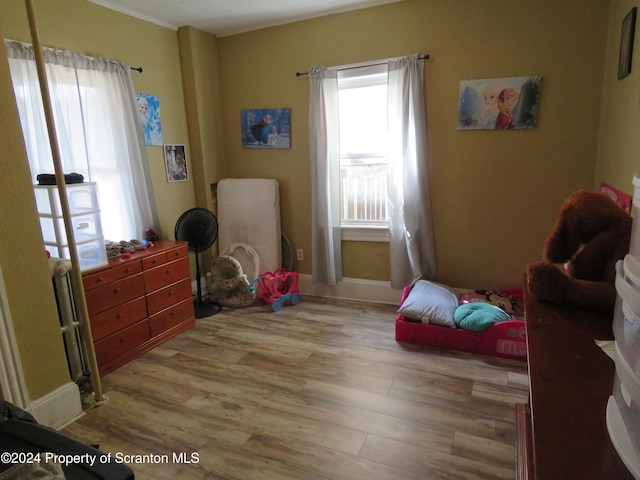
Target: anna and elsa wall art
x,y
499,103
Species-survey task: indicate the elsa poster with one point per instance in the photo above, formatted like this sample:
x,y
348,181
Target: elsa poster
x,y
149,114
499,103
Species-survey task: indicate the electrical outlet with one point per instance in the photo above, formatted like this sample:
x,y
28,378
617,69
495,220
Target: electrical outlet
x,y
300,254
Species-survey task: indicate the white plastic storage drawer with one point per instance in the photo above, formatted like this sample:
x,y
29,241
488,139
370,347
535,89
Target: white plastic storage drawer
x,y
626,393
626,317
85,227
634,248
83,198
91,254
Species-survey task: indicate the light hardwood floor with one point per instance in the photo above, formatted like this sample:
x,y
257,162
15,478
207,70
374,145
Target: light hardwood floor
x,y
317,391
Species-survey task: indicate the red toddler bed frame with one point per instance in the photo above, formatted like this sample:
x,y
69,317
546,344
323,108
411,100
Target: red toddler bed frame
x,y
504,339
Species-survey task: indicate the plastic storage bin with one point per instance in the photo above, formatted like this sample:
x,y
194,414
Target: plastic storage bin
x,y
634,248
84,219
85,227
623,415
626,318
83,198
91,254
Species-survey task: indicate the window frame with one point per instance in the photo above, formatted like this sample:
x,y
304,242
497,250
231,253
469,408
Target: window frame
x,y
365,230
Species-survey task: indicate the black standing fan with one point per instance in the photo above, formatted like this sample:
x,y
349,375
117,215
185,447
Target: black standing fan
x,y
199,227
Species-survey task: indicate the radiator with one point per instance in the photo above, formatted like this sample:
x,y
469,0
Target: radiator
x,y
69,324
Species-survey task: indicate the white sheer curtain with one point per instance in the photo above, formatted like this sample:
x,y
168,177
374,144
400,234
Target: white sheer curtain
x,y
98,131
411,237
324,146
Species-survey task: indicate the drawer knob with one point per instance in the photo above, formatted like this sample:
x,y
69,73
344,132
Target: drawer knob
x,y
122,340
116,290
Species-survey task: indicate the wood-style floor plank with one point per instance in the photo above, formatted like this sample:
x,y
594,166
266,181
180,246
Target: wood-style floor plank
x,y
317,391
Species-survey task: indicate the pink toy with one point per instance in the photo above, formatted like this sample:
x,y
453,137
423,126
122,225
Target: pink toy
x,y
278,287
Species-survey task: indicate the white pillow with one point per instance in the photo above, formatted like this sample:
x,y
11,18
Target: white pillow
x,y
430,302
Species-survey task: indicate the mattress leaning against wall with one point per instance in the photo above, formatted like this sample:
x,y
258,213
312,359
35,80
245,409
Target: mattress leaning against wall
x,y
249,213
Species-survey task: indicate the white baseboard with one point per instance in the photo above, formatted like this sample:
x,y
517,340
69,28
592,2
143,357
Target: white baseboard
x,y
348,289
352,289
58,407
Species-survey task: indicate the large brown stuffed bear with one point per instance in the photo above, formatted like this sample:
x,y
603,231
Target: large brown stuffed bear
x,y
590,235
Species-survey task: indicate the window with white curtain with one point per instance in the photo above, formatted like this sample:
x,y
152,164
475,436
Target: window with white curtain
x,y
97,128
362,103
404,130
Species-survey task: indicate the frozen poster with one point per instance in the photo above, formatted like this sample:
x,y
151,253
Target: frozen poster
x,y
149,114
266,128
499,103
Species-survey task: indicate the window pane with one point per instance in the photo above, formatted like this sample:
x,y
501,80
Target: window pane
x,y
364,193
363,148
363,120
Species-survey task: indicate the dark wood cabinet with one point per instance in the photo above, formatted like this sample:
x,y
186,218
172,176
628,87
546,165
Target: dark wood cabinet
x,y
562,433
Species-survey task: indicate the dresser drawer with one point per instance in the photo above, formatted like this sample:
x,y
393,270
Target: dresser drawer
x,y
121,342
166,274
174,315
108,296
117,318
109,275
176,253
167,296
154,260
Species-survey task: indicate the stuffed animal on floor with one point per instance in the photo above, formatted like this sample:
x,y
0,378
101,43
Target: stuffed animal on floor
x,y
590,235
229,286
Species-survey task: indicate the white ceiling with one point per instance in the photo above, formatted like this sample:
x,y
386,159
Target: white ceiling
x,y
226,17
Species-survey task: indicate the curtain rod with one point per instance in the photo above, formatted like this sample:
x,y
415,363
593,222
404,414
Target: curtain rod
x,y
420,57
139,69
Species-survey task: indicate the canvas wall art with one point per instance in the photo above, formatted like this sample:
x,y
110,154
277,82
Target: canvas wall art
x,y
175,157
149,114
499,103
266,128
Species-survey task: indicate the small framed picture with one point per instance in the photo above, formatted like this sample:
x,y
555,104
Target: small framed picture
x,y
175,157
626,43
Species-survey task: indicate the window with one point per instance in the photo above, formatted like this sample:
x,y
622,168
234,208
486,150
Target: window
x,y
362,100
97,130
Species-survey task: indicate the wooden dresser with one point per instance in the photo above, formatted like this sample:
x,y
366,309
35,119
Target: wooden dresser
x,y
135,304
562,433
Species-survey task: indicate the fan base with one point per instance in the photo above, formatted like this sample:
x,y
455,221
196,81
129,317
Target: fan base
x,y
206,308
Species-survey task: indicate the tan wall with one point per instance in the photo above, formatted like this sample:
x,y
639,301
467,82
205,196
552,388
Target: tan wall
x,y
619,148
200,73
495,193
23,261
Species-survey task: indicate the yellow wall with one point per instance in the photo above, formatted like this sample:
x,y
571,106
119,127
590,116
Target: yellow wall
x,y
495,194
618,153
24,264
200,73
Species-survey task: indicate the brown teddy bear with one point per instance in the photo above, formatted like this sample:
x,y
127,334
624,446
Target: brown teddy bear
x,y
590,235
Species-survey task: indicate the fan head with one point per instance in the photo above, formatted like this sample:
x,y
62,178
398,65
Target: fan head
x,y
198,227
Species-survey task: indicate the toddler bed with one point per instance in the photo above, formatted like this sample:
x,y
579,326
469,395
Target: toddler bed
x,y
480,321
